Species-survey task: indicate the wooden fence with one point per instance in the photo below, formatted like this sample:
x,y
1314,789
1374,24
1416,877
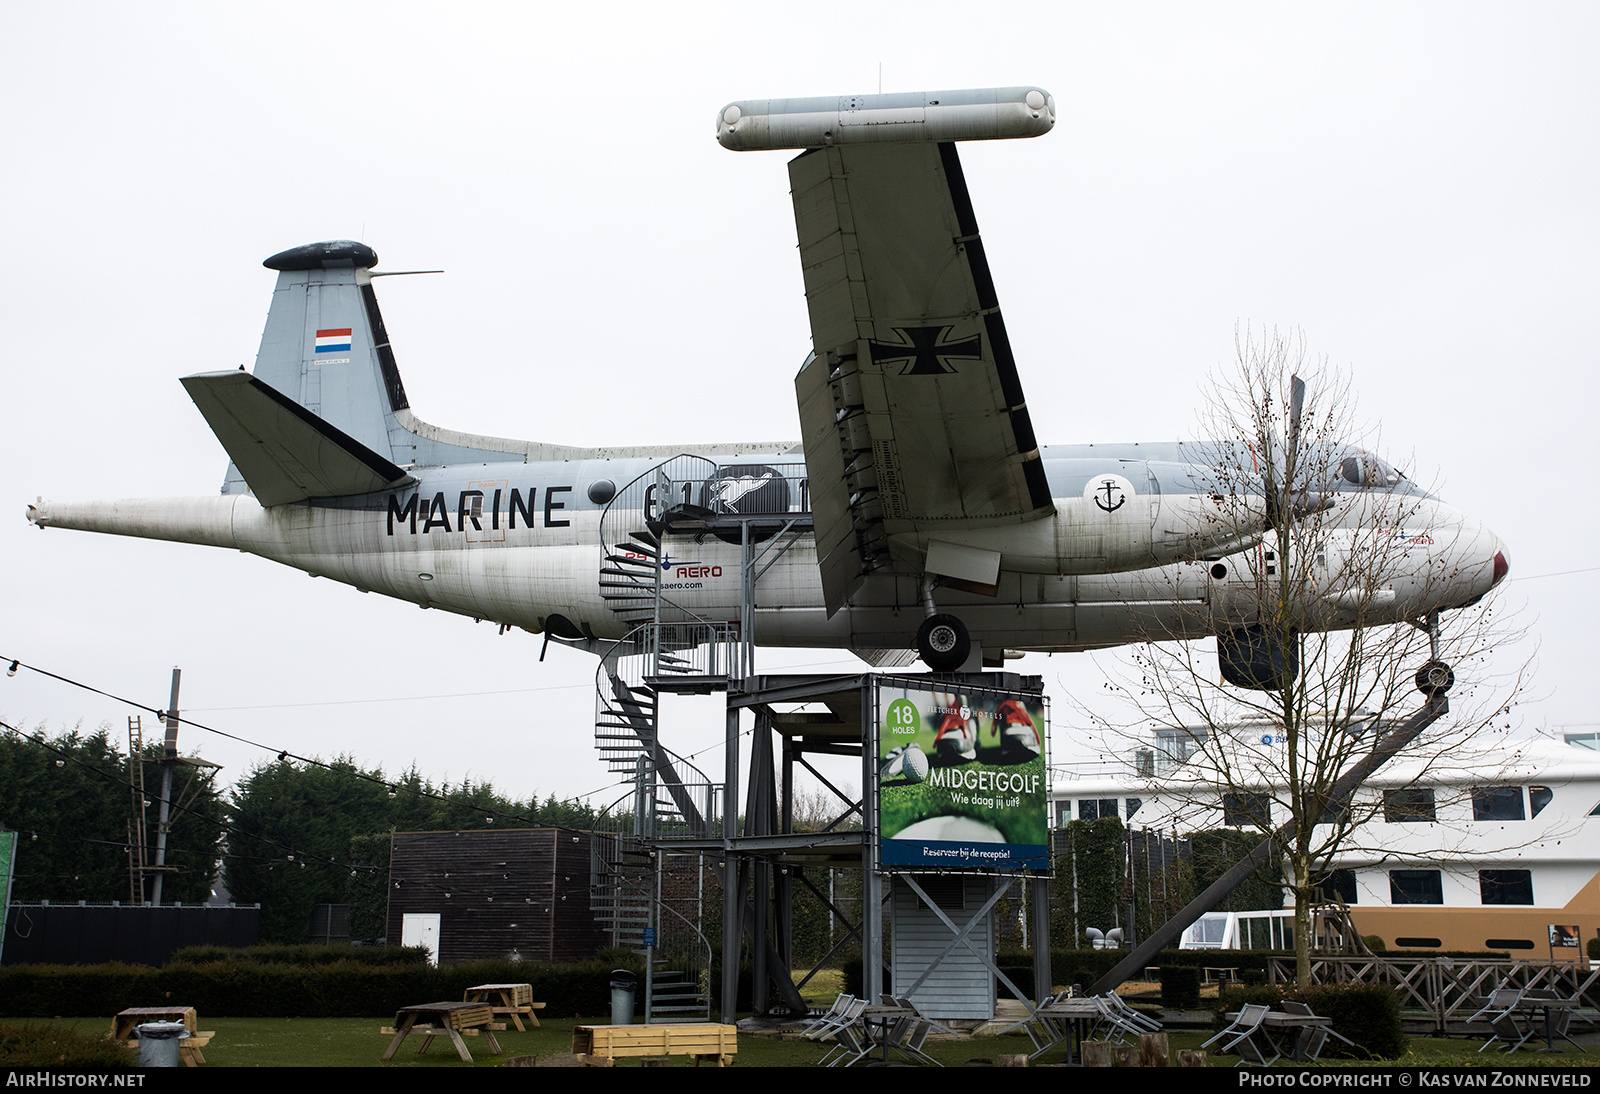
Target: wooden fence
x,y
1446,989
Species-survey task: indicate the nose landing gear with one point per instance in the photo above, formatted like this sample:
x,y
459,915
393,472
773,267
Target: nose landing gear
x,y
1436,676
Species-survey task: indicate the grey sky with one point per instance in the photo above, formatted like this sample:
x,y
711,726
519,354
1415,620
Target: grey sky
x,y
1414,185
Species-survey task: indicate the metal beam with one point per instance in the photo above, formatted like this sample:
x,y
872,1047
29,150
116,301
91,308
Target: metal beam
x,y
1385,750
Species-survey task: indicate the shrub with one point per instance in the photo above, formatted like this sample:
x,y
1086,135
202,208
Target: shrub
x,y
1374,942
1594,949
53,1046
1368,1014
1180,987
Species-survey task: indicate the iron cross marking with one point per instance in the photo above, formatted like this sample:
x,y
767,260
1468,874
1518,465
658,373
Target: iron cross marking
x,y
1110,487
927,354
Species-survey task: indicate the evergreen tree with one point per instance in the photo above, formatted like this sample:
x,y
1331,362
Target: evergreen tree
x,y
70,798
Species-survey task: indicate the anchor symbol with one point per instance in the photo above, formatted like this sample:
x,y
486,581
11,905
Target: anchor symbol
x,y
1110,487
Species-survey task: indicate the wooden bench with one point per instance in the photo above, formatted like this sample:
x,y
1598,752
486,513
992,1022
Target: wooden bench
x,y
512,1000
704,1041
430,1020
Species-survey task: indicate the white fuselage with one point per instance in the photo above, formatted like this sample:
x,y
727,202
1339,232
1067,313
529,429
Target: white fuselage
x,y
521,544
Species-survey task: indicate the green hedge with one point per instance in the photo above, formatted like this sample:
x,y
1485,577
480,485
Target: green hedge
x,y
304,954
246,989
1368,1014
1180,987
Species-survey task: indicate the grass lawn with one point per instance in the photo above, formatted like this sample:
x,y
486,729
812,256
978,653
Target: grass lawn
x,y
356,1042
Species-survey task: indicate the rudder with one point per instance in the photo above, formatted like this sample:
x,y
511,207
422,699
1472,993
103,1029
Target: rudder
x,y
326,348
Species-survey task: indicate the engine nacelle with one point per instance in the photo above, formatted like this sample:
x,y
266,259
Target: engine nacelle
x,y
1256,658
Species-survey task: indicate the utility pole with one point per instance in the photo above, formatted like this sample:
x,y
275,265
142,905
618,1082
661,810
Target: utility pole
x,y
169,758
138,832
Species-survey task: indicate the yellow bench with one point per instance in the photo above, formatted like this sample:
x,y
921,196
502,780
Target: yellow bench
x,y
704,1041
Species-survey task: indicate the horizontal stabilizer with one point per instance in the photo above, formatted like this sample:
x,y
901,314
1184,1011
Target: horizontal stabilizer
x,y
285,452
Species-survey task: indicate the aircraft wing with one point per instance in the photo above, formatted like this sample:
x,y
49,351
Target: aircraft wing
x,y
285,452
911,410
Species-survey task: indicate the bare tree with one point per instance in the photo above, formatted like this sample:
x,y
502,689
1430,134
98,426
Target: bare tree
x,y
1362,588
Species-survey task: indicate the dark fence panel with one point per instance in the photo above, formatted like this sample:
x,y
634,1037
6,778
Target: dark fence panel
x,y
90,934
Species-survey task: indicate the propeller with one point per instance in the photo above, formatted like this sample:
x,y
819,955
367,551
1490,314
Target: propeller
x,y
1305,503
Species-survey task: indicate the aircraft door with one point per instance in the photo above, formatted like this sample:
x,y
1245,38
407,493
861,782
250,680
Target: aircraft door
x,y
1153,492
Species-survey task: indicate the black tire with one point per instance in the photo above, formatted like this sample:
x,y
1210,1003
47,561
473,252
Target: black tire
x,y
943,643
1435,678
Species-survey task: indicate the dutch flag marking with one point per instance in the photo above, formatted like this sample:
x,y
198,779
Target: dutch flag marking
x,y
335,340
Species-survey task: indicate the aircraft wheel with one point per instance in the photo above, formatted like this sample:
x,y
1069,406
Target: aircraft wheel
x,y
1435,678
943,643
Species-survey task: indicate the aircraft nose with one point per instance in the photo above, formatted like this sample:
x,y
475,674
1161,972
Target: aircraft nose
x,y
1489,563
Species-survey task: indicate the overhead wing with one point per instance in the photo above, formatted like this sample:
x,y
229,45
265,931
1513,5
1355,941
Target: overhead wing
x,y
911,409
285,452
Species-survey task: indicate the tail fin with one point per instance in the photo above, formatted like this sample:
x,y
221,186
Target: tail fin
x,y
325,348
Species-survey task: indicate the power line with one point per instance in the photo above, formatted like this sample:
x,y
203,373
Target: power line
x,y
1558,573
285,754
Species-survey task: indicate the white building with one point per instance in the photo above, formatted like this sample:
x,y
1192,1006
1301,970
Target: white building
x,y
1488,849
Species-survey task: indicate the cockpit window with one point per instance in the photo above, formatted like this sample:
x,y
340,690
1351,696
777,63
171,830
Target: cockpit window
x,y
1365,471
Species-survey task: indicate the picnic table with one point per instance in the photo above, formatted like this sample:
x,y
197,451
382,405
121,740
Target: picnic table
x,y
126,1023
512,1000
702,1040
452,1019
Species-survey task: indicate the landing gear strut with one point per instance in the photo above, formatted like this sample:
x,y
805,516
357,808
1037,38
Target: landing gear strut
x,y
942,641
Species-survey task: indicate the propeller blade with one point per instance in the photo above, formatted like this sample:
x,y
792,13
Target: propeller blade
x,y
1297,402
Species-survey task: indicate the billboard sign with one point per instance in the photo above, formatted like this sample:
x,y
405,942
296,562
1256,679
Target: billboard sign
x,y
8,865
962,780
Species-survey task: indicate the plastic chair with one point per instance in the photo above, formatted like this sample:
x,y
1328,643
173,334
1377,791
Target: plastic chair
x,y
1310,1040
1112,1025
851,1046
1138,1018
820,1028
1501,1011
1561,1020
907,1037
1244,1030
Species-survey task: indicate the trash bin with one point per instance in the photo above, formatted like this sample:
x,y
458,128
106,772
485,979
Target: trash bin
x,y
158,1043
623,985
